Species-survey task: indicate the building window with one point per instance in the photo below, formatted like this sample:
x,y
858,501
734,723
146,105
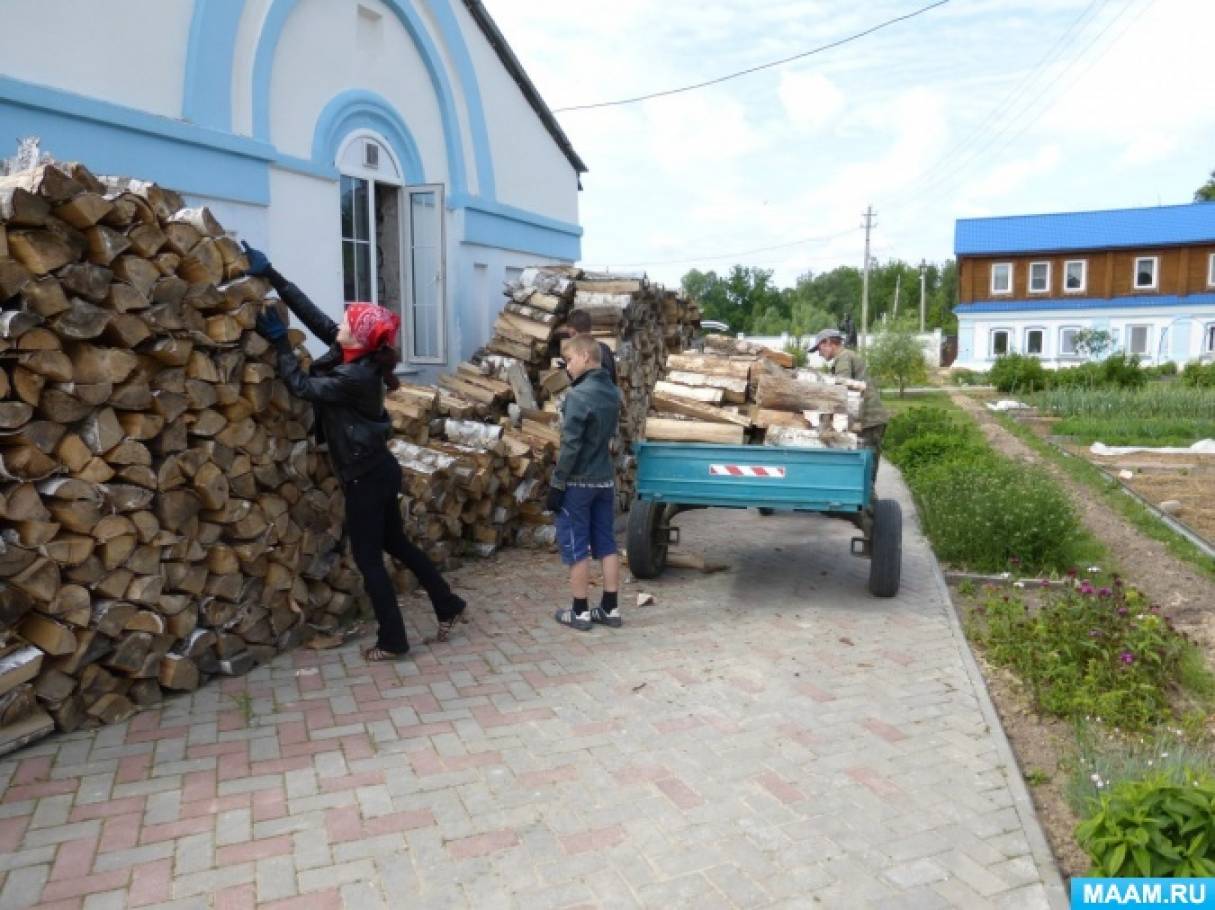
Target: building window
x,y
1211,271
1137,339
1039,277
1075,276
392,245
1001,278
999,342
1146,268
1208,339
1067,342
1033,341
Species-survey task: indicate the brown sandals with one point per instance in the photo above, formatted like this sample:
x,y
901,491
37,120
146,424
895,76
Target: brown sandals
x,y
375,654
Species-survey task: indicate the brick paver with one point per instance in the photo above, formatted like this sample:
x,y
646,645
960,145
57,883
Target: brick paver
x,y
770,736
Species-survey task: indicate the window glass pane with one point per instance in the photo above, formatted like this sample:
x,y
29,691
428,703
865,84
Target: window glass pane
x,y
1000,276
347,191
348,271
356,249
1067,341
362,252
1145,273
1211,271
1075,276
1139,338
361,223
1033,341
1211,338
999,343
1038,276
425,235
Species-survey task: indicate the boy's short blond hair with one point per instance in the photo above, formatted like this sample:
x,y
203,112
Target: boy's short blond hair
x,y
585,344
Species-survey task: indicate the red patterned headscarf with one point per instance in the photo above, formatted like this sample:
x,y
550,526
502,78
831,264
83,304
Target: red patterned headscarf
x,y
372,326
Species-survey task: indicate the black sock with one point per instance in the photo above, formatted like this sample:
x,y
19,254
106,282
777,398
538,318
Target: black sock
x,y
581,608
609,601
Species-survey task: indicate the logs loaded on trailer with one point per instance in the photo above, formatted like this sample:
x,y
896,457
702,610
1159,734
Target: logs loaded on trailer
x,y
167,518
738,392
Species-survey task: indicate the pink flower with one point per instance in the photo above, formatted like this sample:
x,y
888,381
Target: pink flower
x,y
1127,657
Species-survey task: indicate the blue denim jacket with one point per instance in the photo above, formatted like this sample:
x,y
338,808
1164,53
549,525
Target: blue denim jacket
x,y
592,409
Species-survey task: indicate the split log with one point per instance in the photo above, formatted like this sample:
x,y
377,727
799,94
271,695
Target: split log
x,y
659,429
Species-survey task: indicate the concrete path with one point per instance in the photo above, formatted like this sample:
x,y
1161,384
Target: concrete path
x,y
770,736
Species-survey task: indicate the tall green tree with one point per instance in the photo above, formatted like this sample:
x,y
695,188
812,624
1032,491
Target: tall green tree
x,y
895,356
1206,192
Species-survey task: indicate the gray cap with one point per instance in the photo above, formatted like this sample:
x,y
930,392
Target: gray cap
x,y
823,336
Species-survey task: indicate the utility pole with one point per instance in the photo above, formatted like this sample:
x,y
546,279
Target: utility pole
x,y
923,275
865,280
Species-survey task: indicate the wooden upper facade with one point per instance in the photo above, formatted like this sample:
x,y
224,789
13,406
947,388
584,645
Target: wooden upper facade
x,y
1080,274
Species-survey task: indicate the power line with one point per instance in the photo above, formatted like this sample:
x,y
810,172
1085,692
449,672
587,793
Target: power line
x,y
754,69
762,249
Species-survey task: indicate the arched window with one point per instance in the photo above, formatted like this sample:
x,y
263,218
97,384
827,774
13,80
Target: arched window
x,y
392,243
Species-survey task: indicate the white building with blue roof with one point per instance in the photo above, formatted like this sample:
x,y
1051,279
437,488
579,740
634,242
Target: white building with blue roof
x,y
1028,283
385,150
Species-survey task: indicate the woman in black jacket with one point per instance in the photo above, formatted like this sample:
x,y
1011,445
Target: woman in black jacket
x,y
346,387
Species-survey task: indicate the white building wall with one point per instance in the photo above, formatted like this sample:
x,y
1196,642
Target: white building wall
x,y
131,52
530,170
251,21
1184,341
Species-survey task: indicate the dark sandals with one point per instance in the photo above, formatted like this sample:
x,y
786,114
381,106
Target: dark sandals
x,y
375,654
446,626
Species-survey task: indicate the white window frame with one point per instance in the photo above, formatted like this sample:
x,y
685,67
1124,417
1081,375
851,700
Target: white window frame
x,y
1083,263
1011,275
1155,260
1211,271
407,268
991,341
1147,338
405,257
1029,286
1208,338
1063,352
1041,330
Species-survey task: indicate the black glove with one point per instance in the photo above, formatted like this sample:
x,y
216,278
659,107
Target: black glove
x,y
259,263
270,326
553,501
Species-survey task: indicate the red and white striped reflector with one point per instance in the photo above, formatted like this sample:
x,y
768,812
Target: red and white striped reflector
x,y
745,470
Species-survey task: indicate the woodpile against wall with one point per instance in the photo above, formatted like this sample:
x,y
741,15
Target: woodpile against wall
x,y
737,392
166,516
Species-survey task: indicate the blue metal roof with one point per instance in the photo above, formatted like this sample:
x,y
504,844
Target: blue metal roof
x,y
1084,303
1145,227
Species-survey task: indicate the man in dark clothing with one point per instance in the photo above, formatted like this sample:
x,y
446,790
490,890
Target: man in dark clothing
x,y
579,323
346,387
582,491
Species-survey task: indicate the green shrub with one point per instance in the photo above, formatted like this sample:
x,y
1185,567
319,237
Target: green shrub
x,y
928,449
965,377
919,421
1199,375
1087,652
799,354
1153,827
981,513
1121,371
1168,368
1018,373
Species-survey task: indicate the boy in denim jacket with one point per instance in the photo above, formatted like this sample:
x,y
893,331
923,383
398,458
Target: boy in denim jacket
x,y
582,491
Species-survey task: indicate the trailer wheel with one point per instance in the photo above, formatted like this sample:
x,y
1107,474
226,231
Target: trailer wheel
x,y
766,511
646,541
886,562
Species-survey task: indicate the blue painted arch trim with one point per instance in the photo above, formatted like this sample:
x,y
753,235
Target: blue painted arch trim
x,y
357,109
207,95
263,66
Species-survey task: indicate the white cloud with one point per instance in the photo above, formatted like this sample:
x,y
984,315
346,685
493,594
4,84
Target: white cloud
x,y
810,99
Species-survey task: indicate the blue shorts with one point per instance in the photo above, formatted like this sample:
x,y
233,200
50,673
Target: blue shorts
x,y
586,524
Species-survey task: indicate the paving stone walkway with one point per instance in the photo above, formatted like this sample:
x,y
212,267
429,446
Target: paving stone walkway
x,y
770,736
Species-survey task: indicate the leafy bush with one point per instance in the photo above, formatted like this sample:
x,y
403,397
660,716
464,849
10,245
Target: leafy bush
x,y
1168,368
1121,371
928,449
964,377
919,421
1017,373
1098,652
895,357
981,513
1199,375
1153,827
799,354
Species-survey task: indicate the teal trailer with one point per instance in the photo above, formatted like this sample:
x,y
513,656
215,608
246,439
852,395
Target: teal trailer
x,y
675,477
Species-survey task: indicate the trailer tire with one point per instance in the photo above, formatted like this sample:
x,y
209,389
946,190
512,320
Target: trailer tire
x,y
886,561
646,539
766,511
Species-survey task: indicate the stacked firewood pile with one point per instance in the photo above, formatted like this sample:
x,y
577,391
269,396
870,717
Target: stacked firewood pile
x,y
166,517
736,392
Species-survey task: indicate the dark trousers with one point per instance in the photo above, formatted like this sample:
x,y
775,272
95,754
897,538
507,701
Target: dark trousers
x,y
373,523
871,438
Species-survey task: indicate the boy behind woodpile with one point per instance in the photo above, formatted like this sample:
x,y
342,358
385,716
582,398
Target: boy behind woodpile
x,y
582,492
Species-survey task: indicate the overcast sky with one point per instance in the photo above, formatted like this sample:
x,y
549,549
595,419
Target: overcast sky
x,y
980,107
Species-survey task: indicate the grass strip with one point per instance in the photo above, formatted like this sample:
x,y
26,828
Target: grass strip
x,y
1081,471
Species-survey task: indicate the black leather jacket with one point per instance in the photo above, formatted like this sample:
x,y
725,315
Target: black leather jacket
x,y
348,397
